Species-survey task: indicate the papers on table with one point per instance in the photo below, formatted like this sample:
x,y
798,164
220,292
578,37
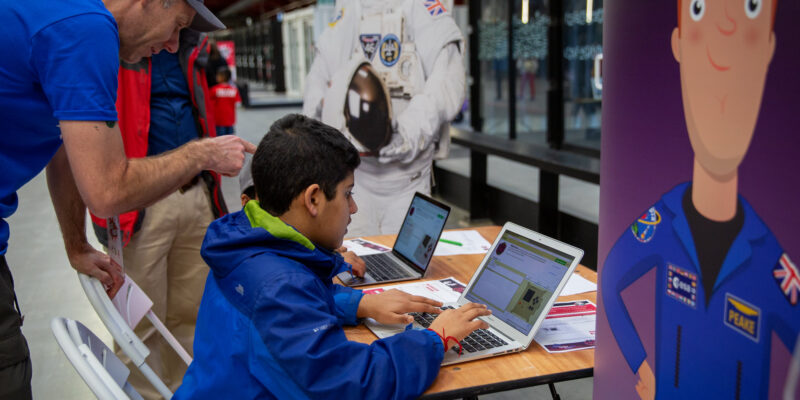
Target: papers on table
x,y
446,290
471,243
578,284
363,247
569,326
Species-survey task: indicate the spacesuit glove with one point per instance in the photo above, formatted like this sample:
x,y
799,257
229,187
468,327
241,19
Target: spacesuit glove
x,y
406,144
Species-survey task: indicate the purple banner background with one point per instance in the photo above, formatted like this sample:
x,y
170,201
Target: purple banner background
x,y
646,150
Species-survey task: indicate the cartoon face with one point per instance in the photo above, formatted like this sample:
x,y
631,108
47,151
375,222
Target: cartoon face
x,y
724,48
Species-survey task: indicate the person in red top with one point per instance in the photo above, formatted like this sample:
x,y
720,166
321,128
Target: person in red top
x,y
224,96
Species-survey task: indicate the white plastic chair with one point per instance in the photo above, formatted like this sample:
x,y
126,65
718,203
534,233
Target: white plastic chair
x,y
103,372
121,328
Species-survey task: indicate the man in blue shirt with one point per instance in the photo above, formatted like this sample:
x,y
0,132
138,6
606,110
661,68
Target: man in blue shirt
x,y
58,79
162,241
725,289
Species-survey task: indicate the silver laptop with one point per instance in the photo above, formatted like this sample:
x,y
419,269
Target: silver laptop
x,y
413,249
518,279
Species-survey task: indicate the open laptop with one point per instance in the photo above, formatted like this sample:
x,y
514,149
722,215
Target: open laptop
x,y
413,249
518,279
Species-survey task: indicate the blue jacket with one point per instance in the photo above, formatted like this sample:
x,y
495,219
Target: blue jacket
x,y
270,323
722,350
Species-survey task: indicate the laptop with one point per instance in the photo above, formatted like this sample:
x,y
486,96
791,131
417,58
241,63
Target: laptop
x,y
413,249
519,279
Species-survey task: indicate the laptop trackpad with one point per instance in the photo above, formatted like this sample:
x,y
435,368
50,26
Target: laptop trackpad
x,y
349,279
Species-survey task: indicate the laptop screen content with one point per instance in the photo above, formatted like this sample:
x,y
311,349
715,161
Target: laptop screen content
x,y
420,231
519,279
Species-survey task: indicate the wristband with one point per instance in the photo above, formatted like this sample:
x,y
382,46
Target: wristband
x,y
446,339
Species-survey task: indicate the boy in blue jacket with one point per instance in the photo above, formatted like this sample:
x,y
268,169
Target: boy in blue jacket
x,y
270,322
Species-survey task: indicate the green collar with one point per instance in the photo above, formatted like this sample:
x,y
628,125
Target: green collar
x,y
262,219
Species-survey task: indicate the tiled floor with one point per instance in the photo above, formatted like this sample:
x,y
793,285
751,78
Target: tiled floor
x,y
48,287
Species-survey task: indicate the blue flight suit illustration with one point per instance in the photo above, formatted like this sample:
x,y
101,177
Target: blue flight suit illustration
x,y
718,348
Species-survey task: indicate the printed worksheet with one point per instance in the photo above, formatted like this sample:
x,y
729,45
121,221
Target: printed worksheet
x,y
569,326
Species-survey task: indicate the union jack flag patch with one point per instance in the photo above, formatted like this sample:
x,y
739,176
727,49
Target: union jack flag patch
x,y
435,7
788,278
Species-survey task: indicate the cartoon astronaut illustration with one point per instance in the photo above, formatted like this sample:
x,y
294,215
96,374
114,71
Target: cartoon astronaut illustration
x,y
389,74
725,288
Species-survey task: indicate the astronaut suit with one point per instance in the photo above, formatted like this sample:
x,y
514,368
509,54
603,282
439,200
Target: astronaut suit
x,y
414,47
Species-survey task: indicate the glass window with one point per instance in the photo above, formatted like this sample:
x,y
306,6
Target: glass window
x,y
493,56
583,50
531,23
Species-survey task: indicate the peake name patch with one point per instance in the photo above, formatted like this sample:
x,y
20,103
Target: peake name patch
x,y
682,285
742,316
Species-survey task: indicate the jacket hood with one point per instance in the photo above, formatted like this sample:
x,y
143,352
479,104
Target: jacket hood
x,y
252,232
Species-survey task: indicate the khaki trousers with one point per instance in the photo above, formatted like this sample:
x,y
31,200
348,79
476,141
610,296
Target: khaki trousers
x,y
163,258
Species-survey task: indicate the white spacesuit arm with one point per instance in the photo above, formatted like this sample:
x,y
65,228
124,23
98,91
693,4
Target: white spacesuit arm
x,y
317,83
439,102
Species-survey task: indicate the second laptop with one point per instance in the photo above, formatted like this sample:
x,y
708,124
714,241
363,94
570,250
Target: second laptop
x,y
413,249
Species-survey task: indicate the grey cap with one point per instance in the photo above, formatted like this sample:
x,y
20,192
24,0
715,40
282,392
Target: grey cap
x,y
204,20
246,175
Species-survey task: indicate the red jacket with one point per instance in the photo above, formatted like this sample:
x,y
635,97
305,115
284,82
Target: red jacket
x,y
133,108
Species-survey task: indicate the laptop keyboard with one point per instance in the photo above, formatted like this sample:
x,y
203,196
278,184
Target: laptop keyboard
x,y
480,339
383,268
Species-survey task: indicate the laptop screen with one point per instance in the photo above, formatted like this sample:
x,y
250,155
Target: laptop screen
x,y
420,231
518,280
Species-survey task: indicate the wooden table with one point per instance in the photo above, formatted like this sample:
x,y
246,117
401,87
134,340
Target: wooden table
x,y
531,367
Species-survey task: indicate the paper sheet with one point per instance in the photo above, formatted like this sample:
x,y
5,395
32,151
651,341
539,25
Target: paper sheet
x,y
569,326
446,290
471,243
578,284
363,247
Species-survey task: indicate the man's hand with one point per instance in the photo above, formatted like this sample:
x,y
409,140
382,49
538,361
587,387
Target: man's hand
x,y
226,154
391,306
646,386
460,322
99,265
359,267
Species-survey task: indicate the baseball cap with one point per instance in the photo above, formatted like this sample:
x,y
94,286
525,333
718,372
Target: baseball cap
x,y
204,20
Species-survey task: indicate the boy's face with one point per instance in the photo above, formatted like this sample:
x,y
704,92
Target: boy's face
x,y
724,48
334,215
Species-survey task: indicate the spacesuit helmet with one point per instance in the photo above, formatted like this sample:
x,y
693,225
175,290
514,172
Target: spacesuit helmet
x,y
367,109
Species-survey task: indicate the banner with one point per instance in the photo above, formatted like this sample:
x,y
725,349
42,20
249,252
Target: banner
x,y
227,49
698,241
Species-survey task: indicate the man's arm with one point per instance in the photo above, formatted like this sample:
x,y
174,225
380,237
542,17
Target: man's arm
x,y
110,183
71,213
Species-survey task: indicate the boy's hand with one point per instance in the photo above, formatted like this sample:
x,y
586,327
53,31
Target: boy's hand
x,y
359,267
391,306
460,322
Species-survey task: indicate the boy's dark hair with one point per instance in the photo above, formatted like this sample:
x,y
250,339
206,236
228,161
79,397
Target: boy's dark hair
x,y
225,72
298,152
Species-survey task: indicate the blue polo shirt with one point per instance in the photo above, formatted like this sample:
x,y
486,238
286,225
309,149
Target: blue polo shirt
x,y
59,63
172,122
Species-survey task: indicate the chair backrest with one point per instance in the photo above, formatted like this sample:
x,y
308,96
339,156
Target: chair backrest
x,y
103,372
121,327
